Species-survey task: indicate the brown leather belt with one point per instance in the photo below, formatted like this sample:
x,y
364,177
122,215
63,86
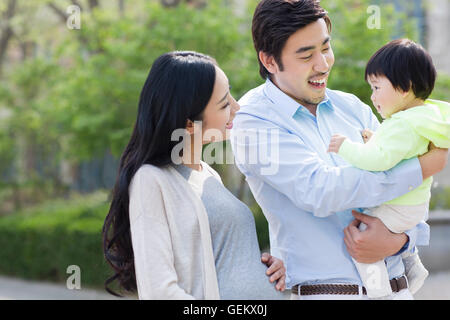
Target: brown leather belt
x,y
397,284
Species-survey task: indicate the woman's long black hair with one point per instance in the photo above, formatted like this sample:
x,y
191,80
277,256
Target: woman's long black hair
x,y
178,88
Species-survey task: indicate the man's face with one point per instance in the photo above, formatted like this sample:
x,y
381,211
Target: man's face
x,y
307,59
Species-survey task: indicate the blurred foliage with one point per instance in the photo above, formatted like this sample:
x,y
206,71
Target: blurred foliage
x,y
262,227
76,95
440,198
441,88
7,148
78,98
40,243
86,94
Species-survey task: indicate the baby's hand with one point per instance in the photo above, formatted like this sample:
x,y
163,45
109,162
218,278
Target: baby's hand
x,y
336,142
366,134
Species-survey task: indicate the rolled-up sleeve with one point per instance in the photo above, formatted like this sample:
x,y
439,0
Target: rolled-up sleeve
x,y
418,236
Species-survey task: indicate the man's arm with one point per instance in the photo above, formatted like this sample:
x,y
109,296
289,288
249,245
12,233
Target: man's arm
x,y
307,180
433,161
373,244
377,242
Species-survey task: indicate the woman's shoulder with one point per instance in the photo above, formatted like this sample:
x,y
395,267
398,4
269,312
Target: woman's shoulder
x,y
150,182
150,171
152,177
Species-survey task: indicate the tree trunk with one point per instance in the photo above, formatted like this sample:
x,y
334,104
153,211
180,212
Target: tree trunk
x,y
6,32
170,3
93,4
121,4
194,3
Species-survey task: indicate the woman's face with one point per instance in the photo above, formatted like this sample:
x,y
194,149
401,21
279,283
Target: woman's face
x,y
219,113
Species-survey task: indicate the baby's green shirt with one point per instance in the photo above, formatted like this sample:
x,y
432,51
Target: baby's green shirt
x,y
406,134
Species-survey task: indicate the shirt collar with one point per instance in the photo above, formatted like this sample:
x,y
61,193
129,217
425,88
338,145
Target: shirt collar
x,y
286,104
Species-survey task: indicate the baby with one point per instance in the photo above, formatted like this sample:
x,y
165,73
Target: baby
x,y
401,75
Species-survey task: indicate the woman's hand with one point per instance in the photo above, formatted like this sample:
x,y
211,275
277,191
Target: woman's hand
x,y
275,271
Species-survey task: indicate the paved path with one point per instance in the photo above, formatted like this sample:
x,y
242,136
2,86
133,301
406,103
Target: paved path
x,y
437,287
17,289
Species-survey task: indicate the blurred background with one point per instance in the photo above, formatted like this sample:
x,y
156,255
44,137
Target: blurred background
x,y
68,100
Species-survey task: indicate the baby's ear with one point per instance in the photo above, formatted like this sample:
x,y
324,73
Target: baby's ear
x,y
410,91
404,93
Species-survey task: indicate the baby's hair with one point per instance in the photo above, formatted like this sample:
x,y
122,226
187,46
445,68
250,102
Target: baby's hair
x,y
407,66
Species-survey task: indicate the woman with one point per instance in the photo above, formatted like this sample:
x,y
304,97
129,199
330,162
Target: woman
x,y
173,230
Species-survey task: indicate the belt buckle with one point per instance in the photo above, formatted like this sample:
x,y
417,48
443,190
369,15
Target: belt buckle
x,y
394,285
298,290
361,290
407,281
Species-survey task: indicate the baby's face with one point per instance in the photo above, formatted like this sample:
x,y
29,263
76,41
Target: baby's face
x,y
385,98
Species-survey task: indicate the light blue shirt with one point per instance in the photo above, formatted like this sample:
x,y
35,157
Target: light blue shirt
x,y
306,193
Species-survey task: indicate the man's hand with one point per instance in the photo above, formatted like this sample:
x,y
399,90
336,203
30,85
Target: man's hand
x,y
366,135
335,143
276,270
373,244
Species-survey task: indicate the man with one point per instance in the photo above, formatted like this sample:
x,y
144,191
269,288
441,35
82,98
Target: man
x,y
307,194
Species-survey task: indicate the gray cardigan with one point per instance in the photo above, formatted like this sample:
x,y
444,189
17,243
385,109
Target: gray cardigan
x,y
171,239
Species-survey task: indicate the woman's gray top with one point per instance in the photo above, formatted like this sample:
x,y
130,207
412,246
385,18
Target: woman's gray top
x,y
240,272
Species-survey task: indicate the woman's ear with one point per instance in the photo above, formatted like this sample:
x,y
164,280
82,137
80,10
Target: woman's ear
x,y
190,126
268,61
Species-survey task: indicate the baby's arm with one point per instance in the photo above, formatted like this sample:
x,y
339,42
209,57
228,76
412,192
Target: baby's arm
x,y
389,145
